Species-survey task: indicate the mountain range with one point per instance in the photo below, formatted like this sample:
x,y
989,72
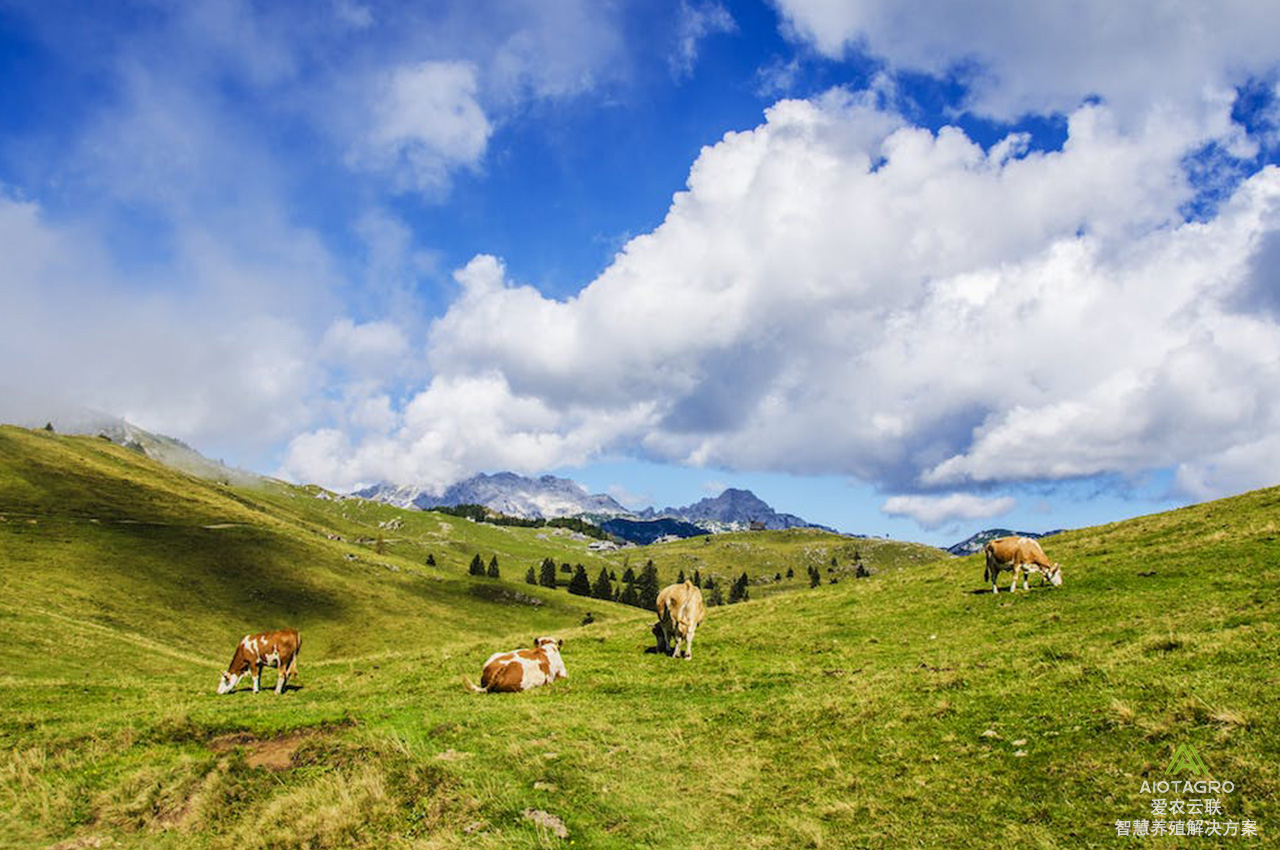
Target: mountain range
x,y
549,497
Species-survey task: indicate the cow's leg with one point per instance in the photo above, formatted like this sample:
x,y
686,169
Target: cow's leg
x,y
1026,577
672,638
1017,571
995,574
282,676
257,675
688,643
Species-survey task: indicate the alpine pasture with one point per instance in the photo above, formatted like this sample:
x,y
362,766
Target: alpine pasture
x,y
910,708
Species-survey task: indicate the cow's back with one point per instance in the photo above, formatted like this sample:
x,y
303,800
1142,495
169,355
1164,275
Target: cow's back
x,y
681,603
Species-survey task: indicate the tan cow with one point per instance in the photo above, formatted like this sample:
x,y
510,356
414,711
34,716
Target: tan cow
x,y
680,610
277,649
1022,555
522,669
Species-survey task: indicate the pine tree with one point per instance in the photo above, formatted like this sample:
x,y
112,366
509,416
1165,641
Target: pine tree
x,y
628,596
680,578
431,560
647,587
493,567
738,592
602,589
777,576
791,572
613,576
477,566
714,596
565,568
629,576
815,577
547,578
697,578
580,585
530,578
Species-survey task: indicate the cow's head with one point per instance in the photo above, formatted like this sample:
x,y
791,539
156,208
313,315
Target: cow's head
x,y
548,643
228,682
1055,575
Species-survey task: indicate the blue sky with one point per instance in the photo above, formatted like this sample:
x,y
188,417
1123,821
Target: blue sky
x,y
900,268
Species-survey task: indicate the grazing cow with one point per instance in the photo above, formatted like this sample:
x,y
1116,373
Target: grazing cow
x,y
1022,555
680,610
277,649
522,669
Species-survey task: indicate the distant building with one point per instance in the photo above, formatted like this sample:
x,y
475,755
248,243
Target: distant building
x,y
757,525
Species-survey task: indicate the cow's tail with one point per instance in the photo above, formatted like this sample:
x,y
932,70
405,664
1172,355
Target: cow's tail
x,y
474,688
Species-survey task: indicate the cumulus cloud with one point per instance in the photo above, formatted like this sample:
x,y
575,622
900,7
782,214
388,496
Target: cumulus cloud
x,y
1048,57
839,291
935,511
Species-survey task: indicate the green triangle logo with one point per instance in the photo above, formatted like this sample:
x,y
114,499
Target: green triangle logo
x,y
1186,758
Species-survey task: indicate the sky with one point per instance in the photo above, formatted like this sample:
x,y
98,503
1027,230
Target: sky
x,y
902,268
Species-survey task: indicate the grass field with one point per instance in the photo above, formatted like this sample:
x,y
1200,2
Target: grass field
x,y
908,709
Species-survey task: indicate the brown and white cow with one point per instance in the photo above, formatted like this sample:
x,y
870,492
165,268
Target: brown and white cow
x,y
522,669
1022,555
277,649
680,611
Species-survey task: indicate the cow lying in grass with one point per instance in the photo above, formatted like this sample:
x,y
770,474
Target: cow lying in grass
x,y
522,669
277,649
1022,555
680,610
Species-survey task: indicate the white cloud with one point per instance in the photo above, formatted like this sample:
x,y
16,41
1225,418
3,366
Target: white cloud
x,y
935,511
841,292
373,348
197,365
1048,57
425,123
694,23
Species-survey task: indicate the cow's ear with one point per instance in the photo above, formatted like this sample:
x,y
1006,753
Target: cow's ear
x,y
560,643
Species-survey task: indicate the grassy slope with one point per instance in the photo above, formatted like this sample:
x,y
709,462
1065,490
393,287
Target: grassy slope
x,y
845,716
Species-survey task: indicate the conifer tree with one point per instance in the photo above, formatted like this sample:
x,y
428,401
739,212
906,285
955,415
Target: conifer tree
x,y
477,566
697,578
738,592
493,567
628,595
680,578
629,576
647,587
815,577
791,572
431,560
530,578
603,588
580,585
547,578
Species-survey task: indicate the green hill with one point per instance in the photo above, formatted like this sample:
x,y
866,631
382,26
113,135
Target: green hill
x,y
908,709
766,556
